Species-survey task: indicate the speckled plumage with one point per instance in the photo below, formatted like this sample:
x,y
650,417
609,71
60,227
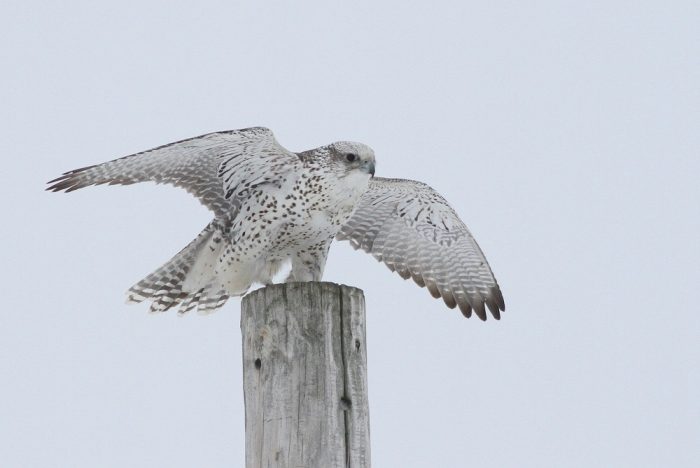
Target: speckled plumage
x,y
273,206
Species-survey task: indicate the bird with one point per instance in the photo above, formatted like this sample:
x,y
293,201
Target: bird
x,y
274,208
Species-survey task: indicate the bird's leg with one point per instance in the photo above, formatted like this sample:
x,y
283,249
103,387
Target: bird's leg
x,y
269,270
308,263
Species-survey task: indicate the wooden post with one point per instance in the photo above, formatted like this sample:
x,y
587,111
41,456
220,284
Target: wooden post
x,y
305,377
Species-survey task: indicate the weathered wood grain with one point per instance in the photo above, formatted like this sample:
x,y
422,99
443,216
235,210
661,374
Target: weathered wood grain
x,y
305,376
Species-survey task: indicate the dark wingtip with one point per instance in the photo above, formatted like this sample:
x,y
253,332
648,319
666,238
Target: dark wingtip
x,y
433,289
67,181
449,300
404,273
57,179
66,184
59,184
498,297
54,185
418,279
479,309
491,304
465,309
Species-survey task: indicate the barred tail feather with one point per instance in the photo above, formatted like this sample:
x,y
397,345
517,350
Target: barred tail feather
x,y
187,280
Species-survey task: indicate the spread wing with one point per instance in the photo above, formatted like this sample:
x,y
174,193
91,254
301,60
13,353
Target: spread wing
x,y
411,228
203,165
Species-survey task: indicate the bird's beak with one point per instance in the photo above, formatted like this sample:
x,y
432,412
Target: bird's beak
x,y
369,167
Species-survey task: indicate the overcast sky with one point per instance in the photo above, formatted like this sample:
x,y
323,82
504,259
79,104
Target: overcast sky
x,y
564,133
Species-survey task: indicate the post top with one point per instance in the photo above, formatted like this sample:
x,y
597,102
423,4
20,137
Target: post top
x,y
310,287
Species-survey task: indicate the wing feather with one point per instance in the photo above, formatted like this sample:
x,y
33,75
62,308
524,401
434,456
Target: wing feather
x,y
413,230
203,166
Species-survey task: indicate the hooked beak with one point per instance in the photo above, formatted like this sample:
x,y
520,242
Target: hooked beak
x,y
369,167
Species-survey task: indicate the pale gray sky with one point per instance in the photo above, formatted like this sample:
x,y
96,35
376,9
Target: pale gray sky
x,y
564,133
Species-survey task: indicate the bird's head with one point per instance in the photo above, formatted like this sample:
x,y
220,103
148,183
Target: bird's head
x,y
352,158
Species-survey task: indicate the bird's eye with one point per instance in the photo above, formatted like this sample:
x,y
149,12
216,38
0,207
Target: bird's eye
x,y
351,157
